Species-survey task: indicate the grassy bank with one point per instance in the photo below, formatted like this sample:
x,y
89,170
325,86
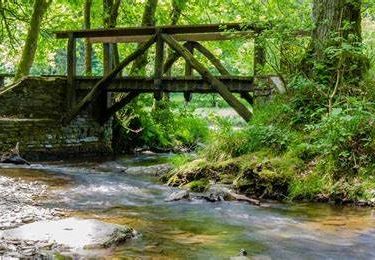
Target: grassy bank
x,y
293,149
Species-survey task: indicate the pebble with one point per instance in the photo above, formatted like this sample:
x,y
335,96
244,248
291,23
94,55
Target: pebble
x,y
18,206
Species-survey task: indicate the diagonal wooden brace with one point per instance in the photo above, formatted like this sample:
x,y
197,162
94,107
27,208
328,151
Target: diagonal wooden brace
x,y
217,84
98,88
223,71
120,104
211,57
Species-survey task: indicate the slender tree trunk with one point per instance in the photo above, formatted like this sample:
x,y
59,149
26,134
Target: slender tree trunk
x,y
111,9
148,19
31,43
177,7
88,46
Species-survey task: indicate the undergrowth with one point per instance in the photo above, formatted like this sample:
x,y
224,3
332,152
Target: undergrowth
x,y
294,149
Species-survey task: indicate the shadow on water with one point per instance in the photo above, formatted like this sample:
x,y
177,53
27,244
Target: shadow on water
x,y
198,229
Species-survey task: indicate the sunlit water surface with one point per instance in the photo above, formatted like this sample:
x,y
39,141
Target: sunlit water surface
x,y
198,229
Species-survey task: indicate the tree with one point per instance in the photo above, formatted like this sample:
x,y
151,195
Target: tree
x,y
336,54
111,8
28,54
88,46
148,19
336,40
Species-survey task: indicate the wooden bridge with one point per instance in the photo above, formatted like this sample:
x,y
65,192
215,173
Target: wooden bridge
x,y
99,87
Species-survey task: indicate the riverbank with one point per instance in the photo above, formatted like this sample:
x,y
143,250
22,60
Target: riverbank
x,y
266,176
293,149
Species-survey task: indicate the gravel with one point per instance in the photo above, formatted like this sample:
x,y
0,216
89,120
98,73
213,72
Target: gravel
x,y
19,206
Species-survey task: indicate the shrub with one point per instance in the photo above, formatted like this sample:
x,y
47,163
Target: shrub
x,y
168,127
346,139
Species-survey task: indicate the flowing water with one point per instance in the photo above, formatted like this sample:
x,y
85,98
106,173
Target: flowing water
x,y
203,230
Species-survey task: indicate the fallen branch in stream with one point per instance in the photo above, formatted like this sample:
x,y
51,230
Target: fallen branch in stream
x,y
240,197
13,156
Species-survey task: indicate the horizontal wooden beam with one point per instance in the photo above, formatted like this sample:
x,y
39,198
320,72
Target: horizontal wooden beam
x,y
215,36
169,84
169,29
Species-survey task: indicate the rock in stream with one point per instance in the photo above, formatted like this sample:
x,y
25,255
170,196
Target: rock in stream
x,y
72,233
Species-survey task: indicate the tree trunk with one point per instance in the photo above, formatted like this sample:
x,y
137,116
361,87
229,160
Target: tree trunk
x,y
88,46
177,6
31,44
336,22
111,8
148,19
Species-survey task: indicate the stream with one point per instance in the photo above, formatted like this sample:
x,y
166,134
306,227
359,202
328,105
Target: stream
x,y
199,229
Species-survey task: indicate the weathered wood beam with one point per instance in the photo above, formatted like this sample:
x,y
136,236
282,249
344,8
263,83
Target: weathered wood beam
x,y
103,101
249,98
2,81
170,84
98,88
211,57
168,29
71,72
188,96
217,84
223,71
171,59
120,104
214,36
158,70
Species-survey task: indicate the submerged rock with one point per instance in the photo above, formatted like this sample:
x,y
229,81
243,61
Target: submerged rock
x,y
73,233
155,170
178,195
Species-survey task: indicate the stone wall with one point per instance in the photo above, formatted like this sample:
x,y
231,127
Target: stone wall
x,y
30,113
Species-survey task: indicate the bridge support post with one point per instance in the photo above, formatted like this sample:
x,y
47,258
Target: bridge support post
x,y
159,70
189,71
104,100
2,81
71,72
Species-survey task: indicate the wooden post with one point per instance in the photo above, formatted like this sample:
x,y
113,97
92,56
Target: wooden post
x,y
159,71
259,56
104,100
2,81
189,71
71,72
249,98
205,73
100,86
107,58
120,104
172,58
